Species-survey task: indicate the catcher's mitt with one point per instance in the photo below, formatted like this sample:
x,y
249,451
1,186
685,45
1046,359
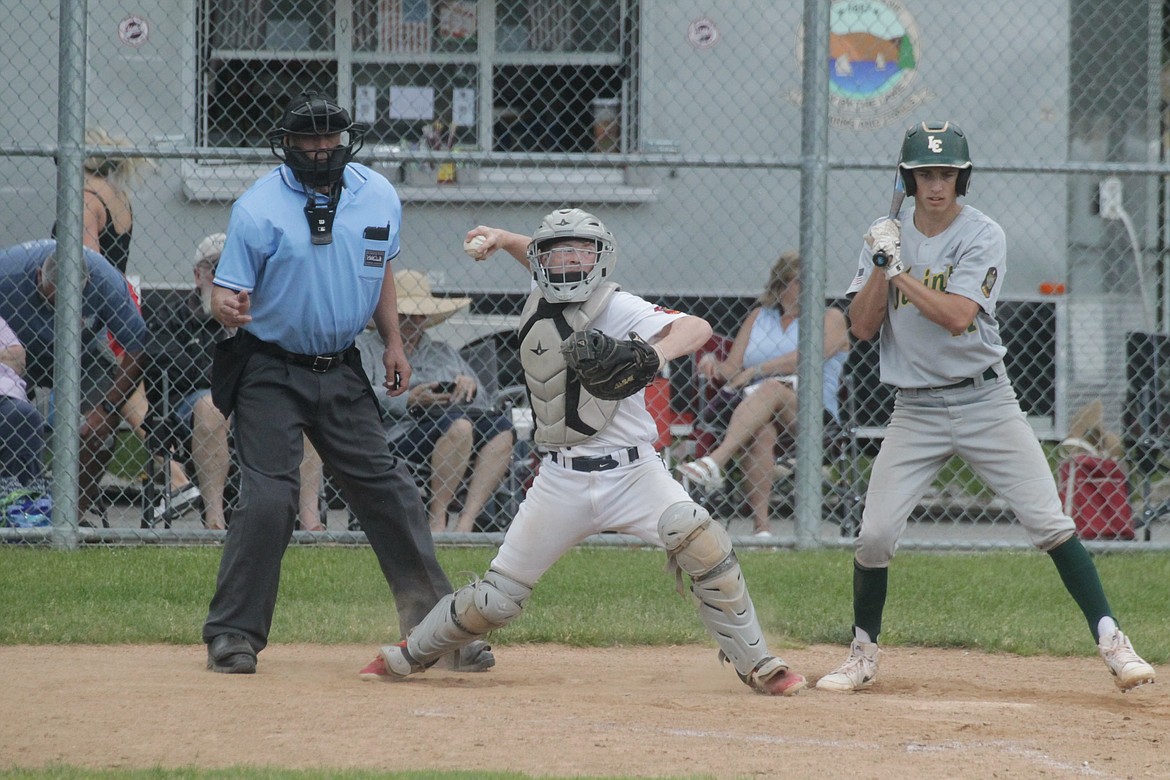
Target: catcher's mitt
x,y
609,368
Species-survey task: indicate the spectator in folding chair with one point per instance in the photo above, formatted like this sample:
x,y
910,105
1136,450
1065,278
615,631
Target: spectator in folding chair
x,y
28,288
443,418
181,347
758,397
108,227
22,427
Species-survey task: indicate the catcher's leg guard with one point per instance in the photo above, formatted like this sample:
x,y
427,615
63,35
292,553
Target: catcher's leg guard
x,y
701,548
458,619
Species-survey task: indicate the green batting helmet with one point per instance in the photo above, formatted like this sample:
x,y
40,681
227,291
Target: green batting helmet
x,y
931,144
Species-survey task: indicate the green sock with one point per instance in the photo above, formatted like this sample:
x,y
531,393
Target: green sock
x,y
1079,574
869,598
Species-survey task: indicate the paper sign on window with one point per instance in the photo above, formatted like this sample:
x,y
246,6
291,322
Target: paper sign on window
x,y
412,103
365,103
463,106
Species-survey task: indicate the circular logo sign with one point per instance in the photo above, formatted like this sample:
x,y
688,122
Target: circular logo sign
x,y
874,55
702,33
133,31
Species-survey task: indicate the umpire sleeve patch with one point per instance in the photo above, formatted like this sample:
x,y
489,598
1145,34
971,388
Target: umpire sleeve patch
x,y
989,282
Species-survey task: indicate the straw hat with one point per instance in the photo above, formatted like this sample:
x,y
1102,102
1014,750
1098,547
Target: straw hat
x,y
1088,435
210,248
414,297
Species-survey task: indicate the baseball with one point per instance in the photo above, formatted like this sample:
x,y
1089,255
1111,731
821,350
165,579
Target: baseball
x,y
472,247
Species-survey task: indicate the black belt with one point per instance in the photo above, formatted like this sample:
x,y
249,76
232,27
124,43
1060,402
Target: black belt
x,y
988,376
318,363
596,462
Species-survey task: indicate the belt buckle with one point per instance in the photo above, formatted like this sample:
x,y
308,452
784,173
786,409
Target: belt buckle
x,y
322,363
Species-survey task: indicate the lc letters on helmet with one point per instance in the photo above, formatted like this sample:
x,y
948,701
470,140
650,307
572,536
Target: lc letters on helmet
x,y
934,145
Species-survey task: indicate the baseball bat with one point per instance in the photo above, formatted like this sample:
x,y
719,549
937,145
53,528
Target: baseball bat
x,y
880,258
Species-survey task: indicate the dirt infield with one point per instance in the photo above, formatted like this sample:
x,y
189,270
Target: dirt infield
x,y
562,711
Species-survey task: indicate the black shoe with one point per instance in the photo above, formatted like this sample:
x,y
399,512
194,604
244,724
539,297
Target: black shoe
x,y
231,654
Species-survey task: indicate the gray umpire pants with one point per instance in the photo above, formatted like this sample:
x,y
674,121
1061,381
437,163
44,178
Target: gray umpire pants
x,y
337,410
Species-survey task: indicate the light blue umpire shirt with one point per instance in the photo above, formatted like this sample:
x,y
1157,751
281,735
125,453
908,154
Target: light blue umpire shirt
x,y
306,298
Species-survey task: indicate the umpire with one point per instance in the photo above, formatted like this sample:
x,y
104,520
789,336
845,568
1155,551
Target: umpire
x,y
304,267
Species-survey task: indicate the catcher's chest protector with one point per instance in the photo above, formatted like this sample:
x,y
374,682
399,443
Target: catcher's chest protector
x,y
564,412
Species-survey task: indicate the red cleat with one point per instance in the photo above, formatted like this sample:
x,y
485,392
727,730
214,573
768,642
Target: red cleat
x,y
375,670
783,683
772,677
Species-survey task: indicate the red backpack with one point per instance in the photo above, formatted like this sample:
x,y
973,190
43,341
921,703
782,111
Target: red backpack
x,y
1095,495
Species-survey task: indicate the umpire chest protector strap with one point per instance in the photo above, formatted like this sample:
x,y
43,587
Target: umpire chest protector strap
x,y
564,411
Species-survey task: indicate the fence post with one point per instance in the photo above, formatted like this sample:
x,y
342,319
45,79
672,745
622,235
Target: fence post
x,y
70,271
814,182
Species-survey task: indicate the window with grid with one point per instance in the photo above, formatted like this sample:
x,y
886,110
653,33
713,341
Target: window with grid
x,y
533,76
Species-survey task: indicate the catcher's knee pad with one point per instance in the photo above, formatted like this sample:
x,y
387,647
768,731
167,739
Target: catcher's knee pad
x,y
468,613
702,548
490,603
692,540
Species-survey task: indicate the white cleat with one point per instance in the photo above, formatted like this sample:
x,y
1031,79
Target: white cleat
x,y
1128,668
856,673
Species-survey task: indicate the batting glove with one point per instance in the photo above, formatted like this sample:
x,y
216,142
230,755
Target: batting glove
x,y
884,230
885,239
887,257
894,265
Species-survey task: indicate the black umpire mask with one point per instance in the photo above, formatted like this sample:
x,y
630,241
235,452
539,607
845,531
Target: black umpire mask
x,y
315,115
318,169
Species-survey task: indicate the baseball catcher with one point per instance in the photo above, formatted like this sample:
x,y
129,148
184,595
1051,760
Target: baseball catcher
x,y
609,368
592,422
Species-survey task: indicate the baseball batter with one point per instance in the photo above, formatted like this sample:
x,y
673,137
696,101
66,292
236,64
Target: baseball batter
x,y
588,351
928,282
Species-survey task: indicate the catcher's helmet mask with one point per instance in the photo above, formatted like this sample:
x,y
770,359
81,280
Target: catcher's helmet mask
x,y
556,284
556,258
934,144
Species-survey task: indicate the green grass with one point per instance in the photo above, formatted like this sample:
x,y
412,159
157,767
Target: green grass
x,y
595,597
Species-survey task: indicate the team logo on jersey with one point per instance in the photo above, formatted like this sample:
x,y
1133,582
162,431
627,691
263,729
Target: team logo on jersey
x,y
873,63
375,258
665,310
989,282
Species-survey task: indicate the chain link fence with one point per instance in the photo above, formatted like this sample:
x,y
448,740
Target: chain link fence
x,y
678,124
